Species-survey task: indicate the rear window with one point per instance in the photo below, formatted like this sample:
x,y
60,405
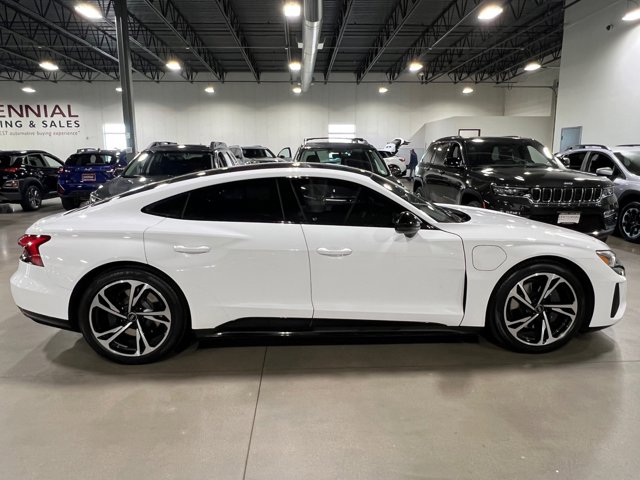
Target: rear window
x,y
172,164
7,161
364,159
631,160
257,153
90,159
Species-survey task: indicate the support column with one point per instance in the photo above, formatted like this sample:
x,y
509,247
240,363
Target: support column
x,y
124,62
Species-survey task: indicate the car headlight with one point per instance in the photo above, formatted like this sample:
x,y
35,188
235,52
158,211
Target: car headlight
x,y
611,260
10,184
507,191
607,191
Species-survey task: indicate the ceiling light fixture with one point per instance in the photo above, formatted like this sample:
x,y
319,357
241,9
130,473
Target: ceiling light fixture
x,y
292,9
28,90
490,12
415,66
48,65
88,11
295,66
174,65
210,89
383,90
119,89
297,90
632,15
532,66
467,90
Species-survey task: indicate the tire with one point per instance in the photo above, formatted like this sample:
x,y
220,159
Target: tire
x,y
629,222
522,328
134,337
31,198
70,203
395,170
422,192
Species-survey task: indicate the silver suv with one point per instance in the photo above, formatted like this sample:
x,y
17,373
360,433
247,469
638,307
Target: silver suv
x,y
621,164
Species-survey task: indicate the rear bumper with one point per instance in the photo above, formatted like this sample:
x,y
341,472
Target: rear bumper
x,y
11,196
75,190
49,321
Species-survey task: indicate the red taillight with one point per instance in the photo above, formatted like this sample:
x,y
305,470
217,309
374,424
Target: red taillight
x,y
60,170
9,170
31,245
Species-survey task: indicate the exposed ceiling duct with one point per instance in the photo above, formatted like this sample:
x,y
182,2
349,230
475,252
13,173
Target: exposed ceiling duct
x,y
310,39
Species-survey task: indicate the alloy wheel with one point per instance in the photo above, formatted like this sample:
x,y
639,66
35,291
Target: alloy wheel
x,y
34,198
395,170
630,222
130,318
540,309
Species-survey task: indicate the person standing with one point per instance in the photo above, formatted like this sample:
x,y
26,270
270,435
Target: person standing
x,y
413,163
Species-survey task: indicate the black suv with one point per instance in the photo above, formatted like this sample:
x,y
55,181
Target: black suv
x,y
516,176
27,177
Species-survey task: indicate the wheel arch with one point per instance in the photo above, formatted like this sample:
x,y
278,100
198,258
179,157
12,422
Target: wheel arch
x,y
626,198
26,182
573,268
83,283
467,195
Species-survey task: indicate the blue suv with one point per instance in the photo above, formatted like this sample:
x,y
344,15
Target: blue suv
x,y
86,170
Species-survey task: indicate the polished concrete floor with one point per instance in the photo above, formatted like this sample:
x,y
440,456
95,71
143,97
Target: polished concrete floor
x,y
432,410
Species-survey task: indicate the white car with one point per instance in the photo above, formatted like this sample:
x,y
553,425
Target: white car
x,y
300,245
397,165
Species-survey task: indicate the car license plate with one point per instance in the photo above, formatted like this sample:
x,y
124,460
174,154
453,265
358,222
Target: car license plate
x,y
569,217
88,177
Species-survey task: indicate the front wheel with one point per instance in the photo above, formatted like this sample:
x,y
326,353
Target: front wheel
x,y
537,309
31,198
629,222
132,316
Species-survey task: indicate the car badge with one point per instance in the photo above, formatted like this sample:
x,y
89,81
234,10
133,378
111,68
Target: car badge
x,y
568,183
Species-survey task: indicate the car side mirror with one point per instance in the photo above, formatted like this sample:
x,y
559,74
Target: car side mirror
x,y
453,162
408,224
604,172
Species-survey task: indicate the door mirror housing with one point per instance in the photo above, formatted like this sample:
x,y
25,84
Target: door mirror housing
x,y
453,162
605,172
408,224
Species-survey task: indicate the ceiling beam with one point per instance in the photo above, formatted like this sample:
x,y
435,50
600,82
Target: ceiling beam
x,y
341,27
182,29
393,25
554,52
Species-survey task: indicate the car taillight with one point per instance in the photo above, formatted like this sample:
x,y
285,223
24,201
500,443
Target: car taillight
x,y
9,170
401,159
31,248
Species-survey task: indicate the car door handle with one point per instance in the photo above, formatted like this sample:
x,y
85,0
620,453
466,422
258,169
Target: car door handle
x,y
343,252
184,249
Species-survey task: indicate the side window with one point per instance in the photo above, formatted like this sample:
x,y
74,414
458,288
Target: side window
x,y
326,201
171,207
220,161
428,155
440,154
455,151
242,201
35,161
599,160
51,162
575,160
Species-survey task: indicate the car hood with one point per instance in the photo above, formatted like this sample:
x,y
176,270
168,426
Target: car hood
x,y
496,227
123,184
539,177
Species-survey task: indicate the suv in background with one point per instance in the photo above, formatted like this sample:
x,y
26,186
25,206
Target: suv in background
x,y
253,154
397,165
165,161
27,177
620,164
86,170
517,176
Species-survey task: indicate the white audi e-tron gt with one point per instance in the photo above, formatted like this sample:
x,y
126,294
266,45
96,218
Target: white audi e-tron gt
x,y
298,246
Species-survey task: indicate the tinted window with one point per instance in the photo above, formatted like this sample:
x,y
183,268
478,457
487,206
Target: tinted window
x,y
575,160
599,160
6,161
171,207
455,151
257,153
335,202
440,153
507,153
173,163
35,161
428,155
91,159
243,201
362,158
631,160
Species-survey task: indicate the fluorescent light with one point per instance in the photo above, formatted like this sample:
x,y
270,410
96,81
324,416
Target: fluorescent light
x,y
47,65
297,90
292,9
119,89
88,11
383,90
415,66
210,89
467,90
174,65
632,15
28,90
490,12
532,66
295,66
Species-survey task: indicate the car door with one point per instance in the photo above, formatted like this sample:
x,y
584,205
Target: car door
x,y
362,269
597,160
231,252
453,175
52,168
434,175
38,170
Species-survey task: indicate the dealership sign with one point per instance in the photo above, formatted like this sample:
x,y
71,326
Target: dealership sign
x,y
39,119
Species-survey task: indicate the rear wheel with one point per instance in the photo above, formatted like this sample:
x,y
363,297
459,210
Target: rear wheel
x,y
395,170
132,316
31,198
422,193
537,308
629,222
70,203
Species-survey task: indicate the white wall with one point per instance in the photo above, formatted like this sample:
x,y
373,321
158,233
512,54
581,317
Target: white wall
x,y
600,74
243,113
532,95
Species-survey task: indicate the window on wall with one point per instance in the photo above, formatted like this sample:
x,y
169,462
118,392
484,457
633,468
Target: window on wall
x,y
114,136
341,130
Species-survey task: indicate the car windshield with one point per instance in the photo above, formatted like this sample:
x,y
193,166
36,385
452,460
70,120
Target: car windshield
x,y
631,161
90,159
258,153
507,153
173,163
439,214
7,161
362,158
